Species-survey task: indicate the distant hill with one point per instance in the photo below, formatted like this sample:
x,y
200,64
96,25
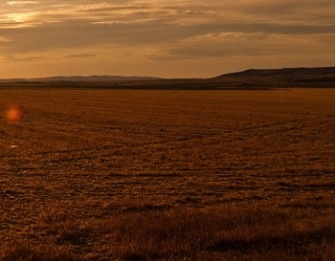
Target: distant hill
x,y
250,79
93,78
319,76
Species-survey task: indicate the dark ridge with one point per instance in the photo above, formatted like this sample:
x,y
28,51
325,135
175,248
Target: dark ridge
x,y
283,75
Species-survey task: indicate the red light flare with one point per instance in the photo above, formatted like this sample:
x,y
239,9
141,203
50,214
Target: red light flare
x,y
13,114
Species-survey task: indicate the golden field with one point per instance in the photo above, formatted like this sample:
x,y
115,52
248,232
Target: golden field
x,y
167,175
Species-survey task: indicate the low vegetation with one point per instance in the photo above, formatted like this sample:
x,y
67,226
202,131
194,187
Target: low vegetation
x,y
168,175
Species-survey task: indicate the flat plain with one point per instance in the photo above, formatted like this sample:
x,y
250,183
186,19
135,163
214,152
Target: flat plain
x,y
168,175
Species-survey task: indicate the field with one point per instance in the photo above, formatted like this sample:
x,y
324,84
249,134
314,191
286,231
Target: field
x,y
168,175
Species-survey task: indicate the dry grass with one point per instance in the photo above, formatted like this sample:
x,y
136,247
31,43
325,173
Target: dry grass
x,y
168,175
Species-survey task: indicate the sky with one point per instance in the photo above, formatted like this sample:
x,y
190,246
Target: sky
x,y
172,38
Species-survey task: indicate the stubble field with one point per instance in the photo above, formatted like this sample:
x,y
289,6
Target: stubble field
x,y
168,175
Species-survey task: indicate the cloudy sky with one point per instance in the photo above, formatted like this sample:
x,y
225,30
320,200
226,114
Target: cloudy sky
x,y
166,38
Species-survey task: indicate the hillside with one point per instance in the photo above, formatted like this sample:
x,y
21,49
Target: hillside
x,y
305,77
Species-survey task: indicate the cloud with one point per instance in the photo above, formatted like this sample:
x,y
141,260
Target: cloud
x,y
21,3
255,45
23,59
4,40
80,55
165,31
74,33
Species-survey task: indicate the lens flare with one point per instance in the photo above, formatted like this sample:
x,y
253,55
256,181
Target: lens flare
x,y
13,114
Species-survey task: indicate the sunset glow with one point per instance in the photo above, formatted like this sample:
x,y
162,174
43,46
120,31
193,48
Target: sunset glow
x,y
177,38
